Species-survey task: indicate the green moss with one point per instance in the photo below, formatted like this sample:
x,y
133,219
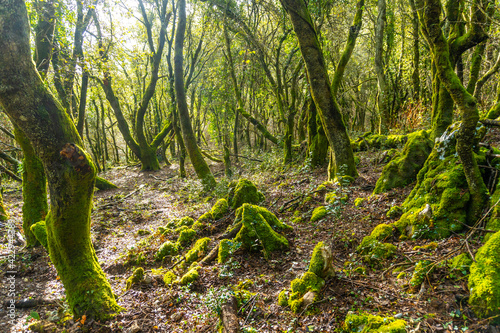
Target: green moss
x,y
343,180
494,220
484,280
258,229
167,249
224,249
367,323
460,263
190,276
143,232
185,221
375,141
335,197
136,277
359,201
299,287
380,233
401,275
169,278
394,212
438,204
404,167
241,291
422,269
219,209
244,192
103,184
186,237
321,261
40,231
427,247
283,297
318,213
198,250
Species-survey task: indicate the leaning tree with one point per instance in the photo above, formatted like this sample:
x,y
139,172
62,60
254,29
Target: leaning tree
x,y
69,169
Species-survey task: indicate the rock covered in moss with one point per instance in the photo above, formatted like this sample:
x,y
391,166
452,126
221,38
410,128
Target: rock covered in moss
x,y
136,277
309,282
186,236
394,212
226,248
198,251
336,198
39,229
460,263
367,323
404,167
358,202
494,220
427,247
219,209
244,192
167,249
321,262
422,270
169,278
259,229
318,213
190,276
373,247
437,205
484,280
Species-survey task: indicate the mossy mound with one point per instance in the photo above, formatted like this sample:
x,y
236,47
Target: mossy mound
x,y
460,264
394,212
305,289
321,261
136,278
404,166
39,229
437,206
169,278
167,249
376,141
422,269
259,229
373,248
186,237
494,220
367,323
218,210
484,280
427,247
244,192
190,276
318,213
198,251
226,249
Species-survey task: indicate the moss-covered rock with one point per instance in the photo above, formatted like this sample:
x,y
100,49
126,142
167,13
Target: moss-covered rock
x,y
244,192
169,278
494,220
321,261
336,197
404,167
259,229
219,209
427,247
367,323
484,280
460,264
198,251
358,202
373,248
226,247
422,269
394,212
437,206
318,213
190,276
309,282
39,229
186,236
167,249
136,277
376,141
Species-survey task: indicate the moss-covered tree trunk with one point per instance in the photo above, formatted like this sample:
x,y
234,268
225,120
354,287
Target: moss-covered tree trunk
x,y
35,205
429,14
69,170
382,93
342,162
200,165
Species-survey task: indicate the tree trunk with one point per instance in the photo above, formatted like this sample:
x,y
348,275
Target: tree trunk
x,y
69,170
382,97
415,76
333,124
35,206
200,165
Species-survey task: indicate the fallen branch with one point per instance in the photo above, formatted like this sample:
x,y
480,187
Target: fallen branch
x,y
210,157
10,173
109,204
229,316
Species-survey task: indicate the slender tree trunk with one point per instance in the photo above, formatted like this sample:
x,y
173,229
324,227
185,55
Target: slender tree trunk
x,y
199,163
382,97
415,76
69,170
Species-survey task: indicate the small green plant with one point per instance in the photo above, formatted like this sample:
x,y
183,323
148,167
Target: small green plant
x,y
216,297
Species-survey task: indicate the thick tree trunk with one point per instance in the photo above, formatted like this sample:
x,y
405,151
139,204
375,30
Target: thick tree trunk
x,y
199,163
35,205
336,132
429,14
69,170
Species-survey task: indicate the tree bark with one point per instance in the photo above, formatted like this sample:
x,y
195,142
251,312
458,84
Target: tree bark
x,y
333,124
69,170
200,165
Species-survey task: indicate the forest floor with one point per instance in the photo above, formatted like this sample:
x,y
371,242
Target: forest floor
x,y
145,201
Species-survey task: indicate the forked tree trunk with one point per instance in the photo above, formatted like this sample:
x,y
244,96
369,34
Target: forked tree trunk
x,y
69,170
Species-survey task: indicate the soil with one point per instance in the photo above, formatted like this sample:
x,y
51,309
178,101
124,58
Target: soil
x,y
146,201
